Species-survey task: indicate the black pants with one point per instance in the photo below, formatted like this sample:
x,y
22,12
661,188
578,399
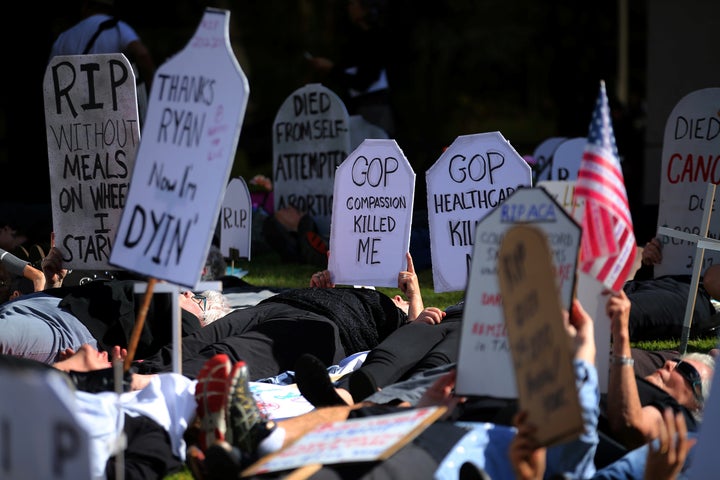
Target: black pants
x,y
658,307
149,451
268,337
409,350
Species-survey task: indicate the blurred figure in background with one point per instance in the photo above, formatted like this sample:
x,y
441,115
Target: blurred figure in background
x,y
362,68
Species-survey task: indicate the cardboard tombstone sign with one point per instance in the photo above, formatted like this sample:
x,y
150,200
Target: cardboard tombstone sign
x,y
91,119
372,216
195,113
311,137
483,339
470,179
543,156
541,348
689,163
41,436
567,158
236,220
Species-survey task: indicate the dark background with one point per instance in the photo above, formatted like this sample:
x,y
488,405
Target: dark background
x,y
528,69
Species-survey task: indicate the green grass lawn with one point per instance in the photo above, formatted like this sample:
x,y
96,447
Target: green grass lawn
x,y
268,270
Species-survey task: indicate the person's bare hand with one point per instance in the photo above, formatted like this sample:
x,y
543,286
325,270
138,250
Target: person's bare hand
x,y
65,354
321,280
528,459
407,280
118,353
652,252
618,309
581,329
430,315
86,359
442,393
52,266
666,457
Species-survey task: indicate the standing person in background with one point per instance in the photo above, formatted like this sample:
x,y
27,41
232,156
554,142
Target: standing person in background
x,y
362,69
100,31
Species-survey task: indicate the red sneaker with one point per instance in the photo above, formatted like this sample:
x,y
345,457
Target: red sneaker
x,y
211,398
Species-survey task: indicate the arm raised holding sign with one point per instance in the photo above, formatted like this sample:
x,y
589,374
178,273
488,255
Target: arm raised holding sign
x,y
635,403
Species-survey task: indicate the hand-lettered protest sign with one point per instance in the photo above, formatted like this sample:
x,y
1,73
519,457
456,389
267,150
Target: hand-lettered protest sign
x,y
311,137
355,440
540,345
471,178
484,338
690,154
236,220
563,191
543,155
91,118
372,215
197,104
40,436
567,158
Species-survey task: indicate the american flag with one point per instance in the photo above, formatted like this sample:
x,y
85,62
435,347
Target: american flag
x,y
607,247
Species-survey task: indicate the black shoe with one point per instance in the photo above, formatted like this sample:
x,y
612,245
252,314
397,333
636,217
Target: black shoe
x,y
314,383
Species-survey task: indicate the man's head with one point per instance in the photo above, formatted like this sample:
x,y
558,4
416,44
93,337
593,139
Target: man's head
x,y
687,379
208,306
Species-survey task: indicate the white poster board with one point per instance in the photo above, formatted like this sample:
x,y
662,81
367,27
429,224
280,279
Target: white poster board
x,y
691,145
372,216
563,191
474,175
483,340
91,120
567,158
543,156
311,137
236,219
356,440
196,108
40,436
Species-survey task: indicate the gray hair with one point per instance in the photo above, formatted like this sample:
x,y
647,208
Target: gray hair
x,y
709,362
217,306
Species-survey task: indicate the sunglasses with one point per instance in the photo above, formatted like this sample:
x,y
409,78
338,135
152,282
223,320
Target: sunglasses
x,y
201,300
692,376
